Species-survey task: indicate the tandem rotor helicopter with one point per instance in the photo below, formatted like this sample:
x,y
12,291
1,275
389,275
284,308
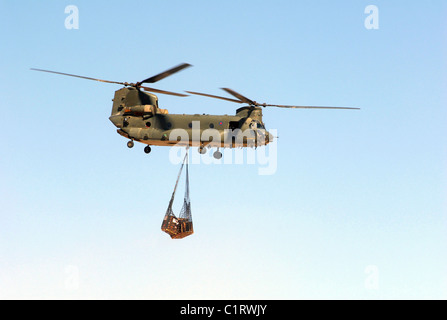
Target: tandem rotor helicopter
x,y
136,114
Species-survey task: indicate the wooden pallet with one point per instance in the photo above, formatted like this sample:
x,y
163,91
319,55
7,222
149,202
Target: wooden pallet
x,y
177,228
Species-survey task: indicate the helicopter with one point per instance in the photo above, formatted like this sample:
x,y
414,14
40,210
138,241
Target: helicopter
x,y
138,117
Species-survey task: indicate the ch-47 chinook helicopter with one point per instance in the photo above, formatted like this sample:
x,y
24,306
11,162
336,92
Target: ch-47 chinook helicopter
x,y
136,114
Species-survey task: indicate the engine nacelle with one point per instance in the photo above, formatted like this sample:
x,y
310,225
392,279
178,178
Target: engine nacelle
x,y
141,110
144,110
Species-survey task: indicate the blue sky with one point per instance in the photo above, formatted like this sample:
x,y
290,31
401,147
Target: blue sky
x,y
354,191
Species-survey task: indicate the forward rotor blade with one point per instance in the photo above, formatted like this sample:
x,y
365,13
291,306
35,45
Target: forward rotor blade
x,y
82,77
165,74
305,107
240,97
213,96
163,92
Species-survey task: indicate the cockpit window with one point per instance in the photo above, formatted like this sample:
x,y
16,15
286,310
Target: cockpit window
x,y
257,124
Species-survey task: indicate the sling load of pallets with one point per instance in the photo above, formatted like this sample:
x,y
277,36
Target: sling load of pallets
x,y
181,226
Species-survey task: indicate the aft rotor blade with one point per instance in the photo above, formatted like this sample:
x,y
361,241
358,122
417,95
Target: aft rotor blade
x,y
240,97
305,107
213,96
166,73
163,91
82,77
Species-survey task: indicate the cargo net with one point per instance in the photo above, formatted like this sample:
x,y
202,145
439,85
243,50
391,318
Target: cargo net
x,y
181,226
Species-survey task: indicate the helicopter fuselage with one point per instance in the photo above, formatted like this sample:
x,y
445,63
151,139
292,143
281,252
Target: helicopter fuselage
x,y
137,116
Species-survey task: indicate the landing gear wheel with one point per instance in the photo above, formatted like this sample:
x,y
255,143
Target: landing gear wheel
x,y
217,155
147,149
130,144
202,150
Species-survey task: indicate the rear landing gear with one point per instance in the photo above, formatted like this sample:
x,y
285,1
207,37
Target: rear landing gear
x,y
217,154
130,144
147,149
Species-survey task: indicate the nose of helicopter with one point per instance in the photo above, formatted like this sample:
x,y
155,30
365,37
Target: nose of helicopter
x,y
268,137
